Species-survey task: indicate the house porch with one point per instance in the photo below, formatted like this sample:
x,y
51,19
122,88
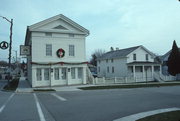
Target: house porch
x,y
143,71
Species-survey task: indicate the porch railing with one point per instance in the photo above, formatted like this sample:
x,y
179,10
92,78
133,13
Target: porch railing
x,y
89,76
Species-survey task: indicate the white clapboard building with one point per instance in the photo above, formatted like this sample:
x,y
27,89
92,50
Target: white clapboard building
x,y
137,62
57,57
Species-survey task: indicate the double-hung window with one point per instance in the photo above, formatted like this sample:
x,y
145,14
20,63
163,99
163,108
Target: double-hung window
x,y
134,56
147,57
71,50
48,49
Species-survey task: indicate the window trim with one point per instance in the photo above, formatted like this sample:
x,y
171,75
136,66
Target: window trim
x,y
49,50
48,34
134,57
112,69
58,74
147,57
108,69
48,70
72,50
40,74
80,72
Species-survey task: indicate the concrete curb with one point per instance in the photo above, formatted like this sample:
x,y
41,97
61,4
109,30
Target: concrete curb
x,y
137,116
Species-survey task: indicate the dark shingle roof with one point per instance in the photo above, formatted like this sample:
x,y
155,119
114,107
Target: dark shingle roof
x,y
117,53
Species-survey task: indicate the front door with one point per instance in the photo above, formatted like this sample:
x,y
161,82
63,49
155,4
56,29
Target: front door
x,y
148,73
47,76
63,76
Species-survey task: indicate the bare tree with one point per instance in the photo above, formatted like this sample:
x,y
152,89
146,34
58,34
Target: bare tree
x,y
97,53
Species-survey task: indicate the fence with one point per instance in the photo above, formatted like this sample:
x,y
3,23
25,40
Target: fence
x,y
125,80
115,80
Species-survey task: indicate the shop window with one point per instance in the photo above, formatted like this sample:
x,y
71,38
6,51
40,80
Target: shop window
x,y
39,74
46,74
73,73
56,73
80,73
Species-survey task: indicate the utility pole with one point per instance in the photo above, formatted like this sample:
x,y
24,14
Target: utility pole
x,y
10,45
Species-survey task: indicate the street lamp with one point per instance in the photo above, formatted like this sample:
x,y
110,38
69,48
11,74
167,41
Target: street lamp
x,y
10,44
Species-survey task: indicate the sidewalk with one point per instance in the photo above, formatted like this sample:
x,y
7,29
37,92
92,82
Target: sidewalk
x,y
24,87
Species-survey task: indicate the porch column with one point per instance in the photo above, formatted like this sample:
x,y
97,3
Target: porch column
x,y
160,69
152,67
134,72
143,73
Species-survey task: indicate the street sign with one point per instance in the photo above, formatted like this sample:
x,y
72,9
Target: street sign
x,y
25,50
4,45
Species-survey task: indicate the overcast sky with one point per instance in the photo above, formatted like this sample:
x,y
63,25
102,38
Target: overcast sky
x,y
112,23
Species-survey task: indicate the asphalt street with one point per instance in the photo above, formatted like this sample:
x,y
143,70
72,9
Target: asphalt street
x,y
94,105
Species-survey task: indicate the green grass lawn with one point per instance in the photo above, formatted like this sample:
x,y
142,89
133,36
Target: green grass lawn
x,y
12,85
168,116
135,85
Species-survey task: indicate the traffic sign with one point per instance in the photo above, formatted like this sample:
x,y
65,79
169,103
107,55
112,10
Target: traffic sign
x,y
4,45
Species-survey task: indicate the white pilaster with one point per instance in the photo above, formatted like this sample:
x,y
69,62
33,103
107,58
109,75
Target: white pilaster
x,y
84,75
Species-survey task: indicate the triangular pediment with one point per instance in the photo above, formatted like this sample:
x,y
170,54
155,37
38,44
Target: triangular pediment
x,y
59,24
60,27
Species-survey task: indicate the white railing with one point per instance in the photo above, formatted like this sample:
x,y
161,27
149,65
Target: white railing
x,y
126,80
167,78
89,76
161,77
114,80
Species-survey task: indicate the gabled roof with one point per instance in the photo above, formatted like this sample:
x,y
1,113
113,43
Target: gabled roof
x,y
35,27
122,53
60,16
118,53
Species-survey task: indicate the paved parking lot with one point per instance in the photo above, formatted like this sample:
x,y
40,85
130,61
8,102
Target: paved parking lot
x,y
95,105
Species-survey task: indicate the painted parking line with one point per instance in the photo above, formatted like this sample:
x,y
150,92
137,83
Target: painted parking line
x,y
59,97
4,105
41,115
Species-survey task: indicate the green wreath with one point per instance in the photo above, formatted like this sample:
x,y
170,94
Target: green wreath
x,y
60,53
